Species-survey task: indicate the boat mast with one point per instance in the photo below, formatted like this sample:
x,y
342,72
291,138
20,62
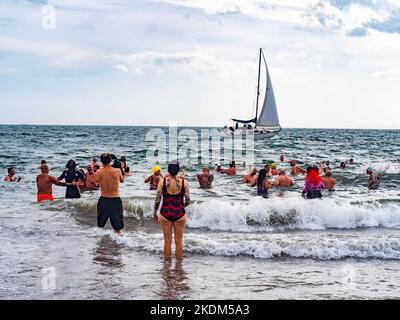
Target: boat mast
x,y
258,85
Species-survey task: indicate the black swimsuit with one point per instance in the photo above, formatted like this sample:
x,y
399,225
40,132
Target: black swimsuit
x,y
71,176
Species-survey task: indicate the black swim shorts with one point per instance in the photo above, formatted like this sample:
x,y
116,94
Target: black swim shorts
x,y
110,208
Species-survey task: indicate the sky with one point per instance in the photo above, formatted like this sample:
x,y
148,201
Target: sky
x,y
333,63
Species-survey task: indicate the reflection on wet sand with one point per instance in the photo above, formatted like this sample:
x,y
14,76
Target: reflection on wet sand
x,y
175,281
108,253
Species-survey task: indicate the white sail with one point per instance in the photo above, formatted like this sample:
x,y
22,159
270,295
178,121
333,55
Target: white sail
x,y
269,114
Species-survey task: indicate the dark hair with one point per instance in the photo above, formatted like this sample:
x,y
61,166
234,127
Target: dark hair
x,y
106,158
174,168
71,165
43,162
10,169
309,168
117,164
231,165
123,159
261,177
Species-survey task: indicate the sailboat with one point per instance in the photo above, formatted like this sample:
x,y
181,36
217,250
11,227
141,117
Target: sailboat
x,y
266,124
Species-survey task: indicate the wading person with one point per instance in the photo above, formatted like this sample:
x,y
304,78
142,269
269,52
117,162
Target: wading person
x,y
282,180
155,178
263,183
329,181
70,175
11,177
251,178
44,183
90,179
205,179
314,185
110,204
175,196
374,179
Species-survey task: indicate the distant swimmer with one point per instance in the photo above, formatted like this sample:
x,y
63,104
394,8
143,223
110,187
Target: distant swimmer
x,y
342,165
11,176
45,183
263,184
274,171
109,205
125,167
328,181
70,175
325,166
351,161
314,184
175,196
251,178
282,180
231,171
296,169
90,179
205,179
96,165
218,167
155,178
374,179
282,158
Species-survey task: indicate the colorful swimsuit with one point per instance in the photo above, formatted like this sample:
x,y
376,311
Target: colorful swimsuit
x,y
173,207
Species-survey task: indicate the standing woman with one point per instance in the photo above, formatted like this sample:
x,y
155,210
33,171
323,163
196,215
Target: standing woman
x,y
174,191
263,184
72,175
314,184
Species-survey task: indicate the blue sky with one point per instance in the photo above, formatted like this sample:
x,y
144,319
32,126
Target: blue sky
x,y
149,62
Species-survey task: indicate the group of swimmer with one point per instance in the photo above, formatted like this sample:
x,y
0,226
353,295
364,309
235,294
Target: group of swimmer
x,y
173,193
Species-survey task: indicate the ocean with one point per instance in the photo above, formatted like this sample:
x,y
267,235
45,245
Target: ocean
x,y
237,245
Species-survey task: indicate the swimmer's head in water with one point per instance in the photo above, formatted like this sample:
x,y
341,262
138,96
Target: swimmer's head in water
x,y
342,165
369,170
11,170
106,158
123,159
44,168
174,168
292,163
328,174
156,169
282,158
206,170
71,165
43,162
273,165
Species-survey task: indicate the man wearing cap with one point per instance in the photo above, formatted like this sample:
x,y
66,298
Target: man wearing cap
x,y
374,179
45,183
155,178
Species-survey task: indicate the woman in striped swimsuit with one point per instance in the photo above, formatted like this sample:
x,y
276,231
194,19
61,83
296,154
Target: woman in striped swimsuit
x,y
174,191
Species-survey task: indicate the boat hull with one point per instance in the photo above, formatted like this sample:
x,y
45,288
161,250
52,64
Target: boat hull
x,y
258,134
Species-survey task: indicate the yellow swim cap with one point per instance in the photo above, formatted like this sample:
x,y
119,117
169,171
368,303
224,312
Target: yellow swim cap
x,y
273,165
156,168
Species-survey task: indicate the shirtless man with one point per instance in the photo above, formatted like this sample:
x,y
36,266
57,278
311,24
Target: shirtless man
x,y
282,180
328,181
45,183
155,178
90,179
231,171
374,179
251,178
218,167
296,169
95,164
205,179
11,177
110,204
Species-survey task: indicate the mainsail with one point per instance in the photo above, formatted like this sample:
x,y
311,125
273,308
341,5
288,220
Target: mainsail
x,y
269,114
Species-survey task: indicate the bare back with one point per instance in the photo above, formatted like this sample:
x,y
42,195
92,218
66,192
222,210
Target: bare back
x,y
109,179
44,183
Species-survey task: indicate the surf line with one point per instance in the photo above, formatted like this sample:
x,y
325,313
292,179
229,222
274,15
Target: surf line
x,y
159,310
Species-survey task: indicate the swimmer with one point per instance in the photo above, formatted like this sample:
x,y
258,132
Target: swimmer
x,y
314,185
205,179
90,179
296,169
44,183
70,175
328,181
282,180
218,167
263,184
109,205
374,179
231,171
96,165
175,196
282,158
124,167
155,178
11,177
274,171
342,165
251,178
268,170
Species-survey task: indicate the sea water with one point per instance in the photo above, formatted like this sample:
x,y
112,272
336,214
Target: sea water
x,y
237,245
